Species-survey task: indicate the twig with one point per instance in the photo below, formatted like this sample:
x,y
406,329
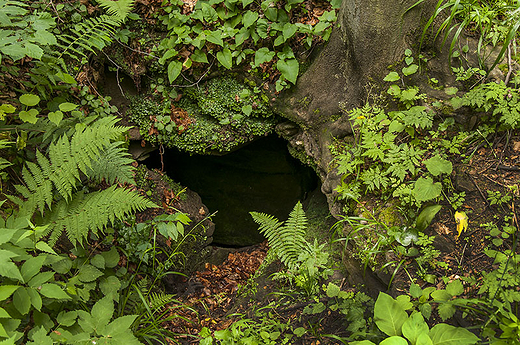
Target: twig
x,y
136,50
480,191
510,68
117,73
161,152
198,81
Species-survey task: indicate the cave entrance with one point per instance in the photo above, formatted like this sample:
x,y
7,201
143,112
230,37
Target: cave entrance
x,y
261,176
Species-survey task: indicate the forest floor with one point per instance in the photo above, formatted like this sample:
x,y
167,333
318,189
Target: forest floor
x,y
222,294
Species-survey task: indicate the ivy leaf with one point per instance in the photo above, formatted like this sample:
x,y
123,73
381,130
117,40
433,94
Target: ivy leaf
x,y
29,115
392,76
438,165
225,58
242,35
29,99
424,189
249,18
55,117
289,69
389,316
451,335
199,56
263,55
262,27
410,69
174,69
214,37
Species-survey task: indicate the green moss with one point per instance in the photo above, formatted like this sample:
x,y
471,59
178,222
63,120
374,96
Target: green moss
x,y
300,155
389,215
223,114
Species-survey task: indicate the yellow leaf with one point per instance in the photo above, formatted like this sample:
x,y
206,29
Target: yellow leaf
x,y
462,222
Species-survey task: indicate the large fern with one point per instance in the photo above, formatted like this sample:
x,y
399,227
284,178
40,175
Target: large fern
x,y
286,240
92,212
91,153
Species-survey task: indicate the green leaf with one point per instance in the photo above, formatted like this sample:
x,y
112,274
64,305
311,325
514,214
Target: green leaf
x,y
263,55
451,91
6,234
199,56
443,334
332,290
111,257
67,106
438,165
119,326
424,189
67,318
455,288
424,339
414,326
424,219
55,117
415,290
247,109
22,300
98,261
36,299
41,278
246,2
44,247
7,290
32,266
389,316
102,312
446,310
215,37
29,115
392,76
29,99
4,314
249,18
410,69
289,30
88,273
53,291
394,340
289,68
225,58
110,286
7,268
174,70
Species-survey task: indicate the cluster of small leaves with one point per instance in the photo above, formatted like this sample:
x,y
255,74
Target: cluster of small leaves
x,y
219,116
503,101
234,32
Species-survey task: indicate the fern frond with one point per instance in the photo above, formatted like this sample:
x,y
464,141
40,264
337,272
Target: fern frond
x,y
112,163
92,212
157,301
286,240
118,9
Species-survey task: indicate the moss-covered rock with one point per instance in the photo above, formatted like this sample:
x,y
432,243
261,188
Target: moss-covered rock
x,y
216,117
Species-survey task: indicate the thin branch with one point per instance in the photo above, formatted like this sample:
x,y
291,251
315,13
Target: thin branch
x,y
510,68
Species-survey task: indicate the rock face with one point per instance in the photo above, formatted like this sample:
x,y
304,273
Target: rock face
x,y
370,35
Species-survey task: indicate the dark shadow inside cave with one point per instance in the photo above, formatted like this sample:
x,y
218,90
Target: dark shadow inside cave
x,y
261,176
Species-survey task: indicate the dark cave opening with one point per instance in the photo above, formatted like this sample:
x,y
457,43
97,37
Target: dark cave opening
x,y
261,176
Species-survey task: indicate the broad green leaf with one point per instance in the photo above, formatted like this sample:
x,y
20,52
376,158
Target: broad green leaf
x,y
410,69
289,30
67,318
6,234
67,106
55,117
455,288
332,290
424,189
437,165
36,299
446,310
102,312
22,300
41,278
443,334
4,314
40,337
247,109
425,218
7,290
174,70
44,247
289,68
392,76
414,326
53,291
29,99
241,36
263,55
394,90
394,340
32,266
441,296
120,325
199,56
215,37
62,266
424,339
404,302
98,261
29,115
110,286
426,310
88,273
451,91
415,290
249,18
7,268
246,2
111,257
225,58
362,342
389,316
